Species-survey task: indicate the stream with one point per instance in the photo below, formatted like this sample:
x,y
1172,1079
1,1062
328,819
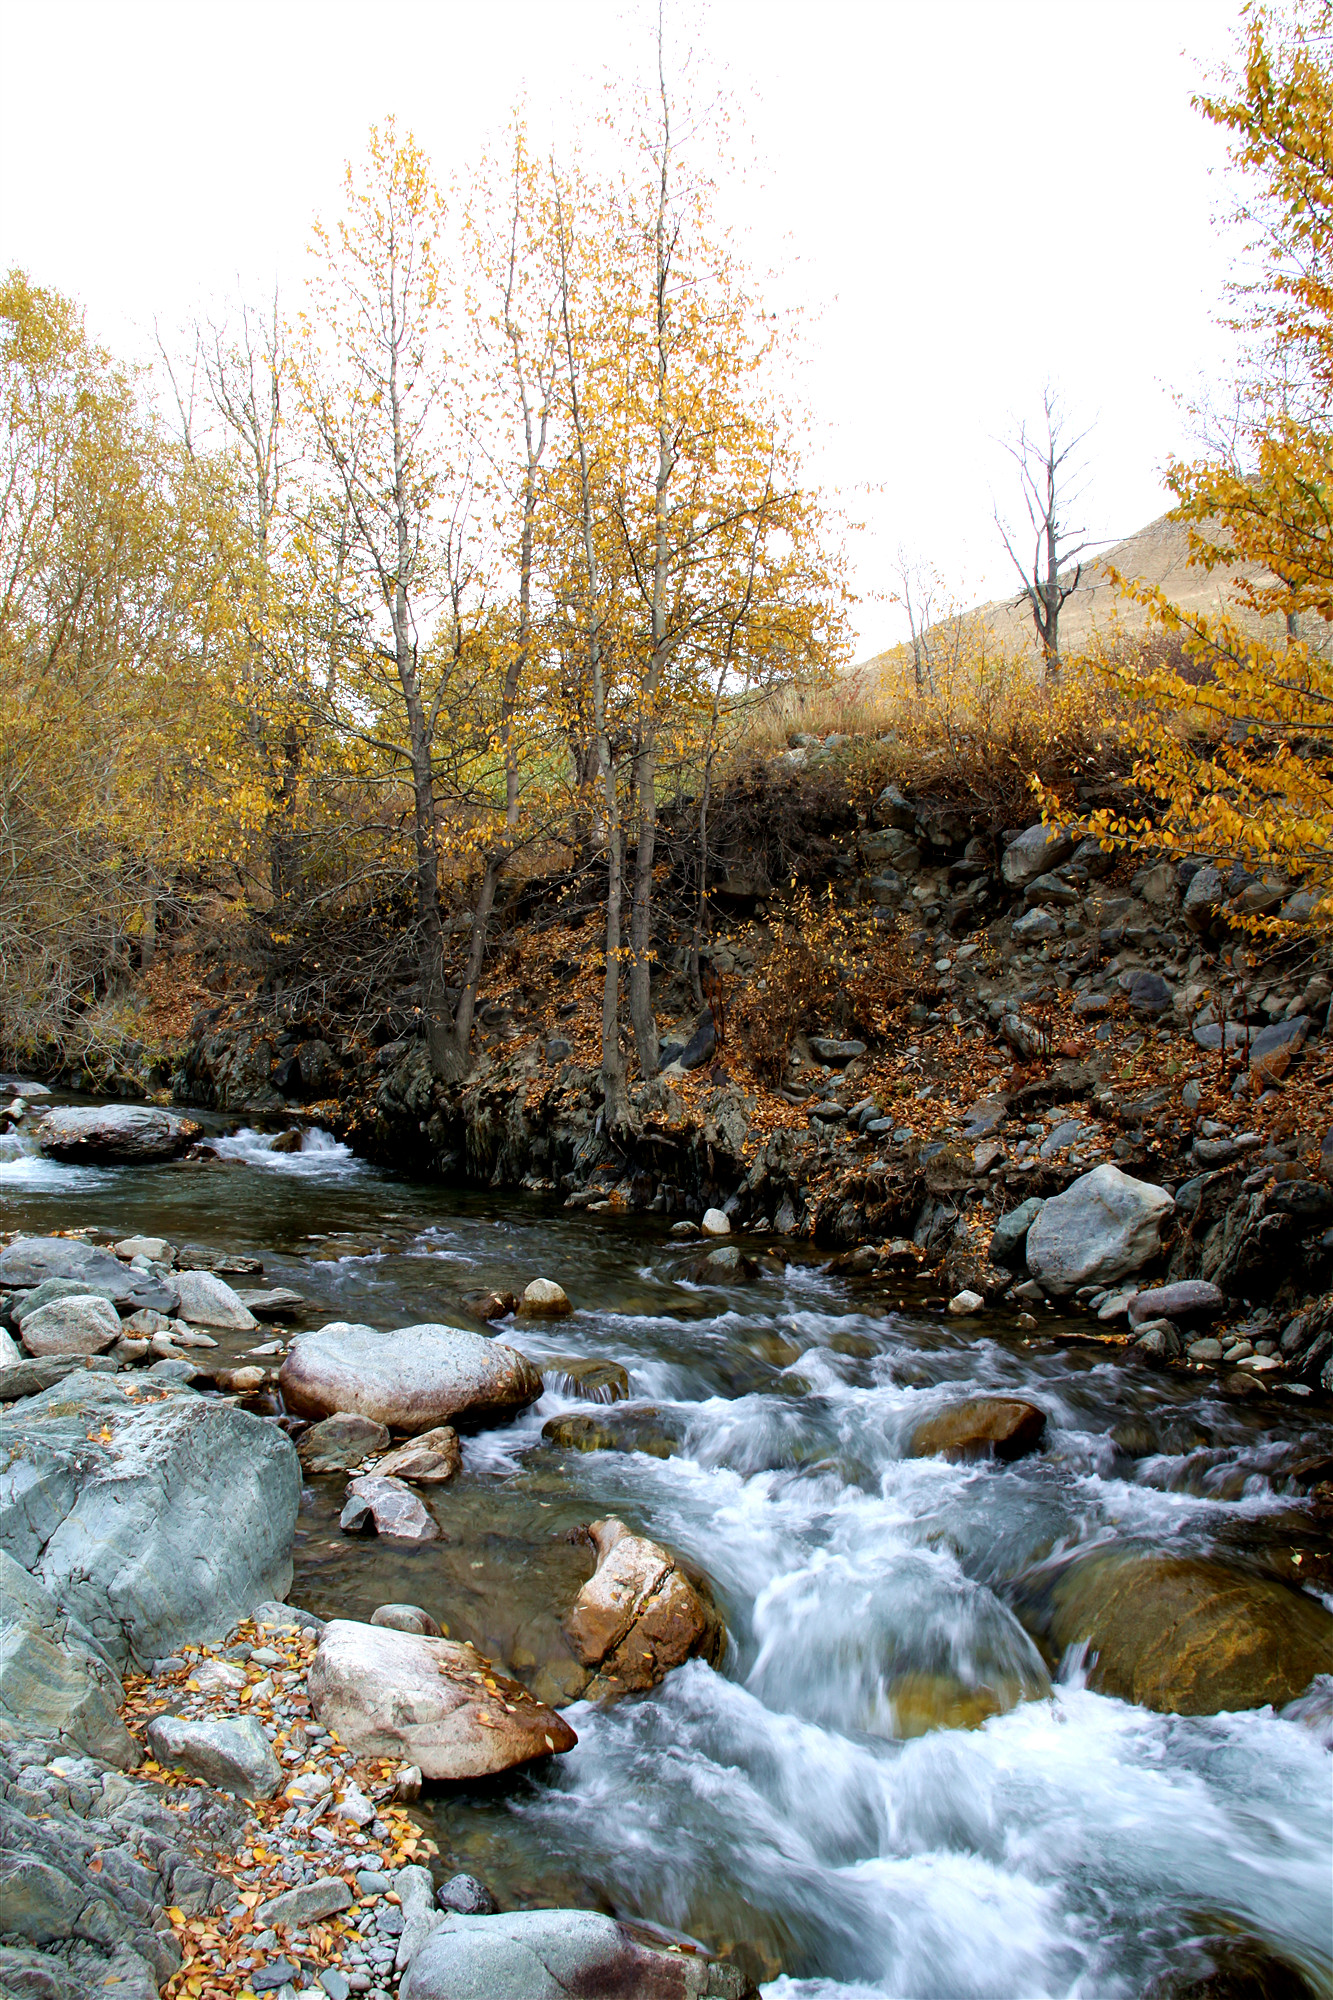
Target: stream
x,y
836,1804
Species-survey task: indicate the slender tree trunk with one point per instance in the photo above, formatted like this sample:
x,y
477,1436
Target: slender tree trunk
x,y
466,1010
641,912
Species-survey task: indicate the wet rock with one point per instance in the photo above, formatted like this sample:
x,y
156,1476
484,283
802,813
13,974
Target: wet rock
x,y
341,1442
1182,1634
728,1265
963,1304
544,1299
78,1325
1204,1350
1036,852
1157,1340
406,1618
465,1896
55,1685
715,1223
1003,1427
638,1615
1106,1226
152,1515
1191,1298
411,1379
429,1459
389,1508
1225,1966
429,1702
239,1381
925,1701
118,1133
231,1753
1011,1230
1313,1710
626,1431
278,1302
591,1380
491,1305
555,1955
207,1300
31,1260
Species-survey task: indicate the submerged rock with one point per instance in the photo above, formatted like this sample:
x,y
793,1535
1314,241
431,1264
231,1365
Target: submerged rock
x,y
430,1702
592,1381
639,1430
1002,1427
116,1133
1106,1226
638,1615
406,1618
1182,1634
555,1954
152,1515
341,1442
411,1379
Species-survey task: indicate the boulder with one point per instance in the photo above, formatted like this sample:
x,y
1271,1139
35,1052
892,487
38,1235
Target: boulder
x,y
429,1702
30,1260
276,1302
429,1459
1179,1633
727,1265
554,1954
53,1289
55,1686
1011,1230
638,1615
715,1223
1002,1427
411,1379
341,1442
1290,1034
1190,1298
1203,899
1106,1226
154,1517
79,1325
120,1134
544,1299
1035,852
389,1508
155,1248
700,1046
466,1897
207,1300
231,1753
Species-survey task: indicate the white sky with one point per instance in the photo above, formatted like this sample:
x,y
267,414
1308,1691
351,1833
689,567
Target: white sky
x,y
979,194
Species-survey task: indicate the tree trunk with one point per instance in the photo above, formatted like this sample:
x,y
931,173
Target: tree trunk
x,y
641,913
613,1060
465,1013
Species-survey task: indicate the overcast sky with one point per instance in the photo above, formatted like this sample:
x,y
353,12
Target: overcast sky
x,y
975,196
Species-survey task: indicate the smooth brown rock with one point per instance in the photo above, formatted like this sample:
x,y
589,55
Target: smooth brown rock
x,y
1181,1634
429,1459
983,1427
491,1305
340,1442
638,1615
410,1379
429,1702
589,1378
406,1618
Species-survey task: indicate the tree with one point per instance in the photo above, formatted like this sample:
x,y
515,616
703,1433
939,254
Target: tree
x,y
1238,750
1046,463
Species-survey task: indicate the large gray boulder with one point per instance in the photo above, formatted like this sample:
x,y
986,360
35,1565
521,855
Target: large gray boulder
x,y
79,1325
411,1379
31,1260
1106,1226
554,1954
229,1752
56,1687
154,1517
119,1134
1034,853
207,1300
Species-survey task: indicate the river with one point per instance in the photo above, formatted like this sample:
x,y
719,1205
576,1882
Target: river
x,y
782,1806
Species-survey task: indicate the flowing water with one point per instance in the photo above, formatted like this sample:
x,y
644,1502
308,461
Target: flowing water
x,y
838,1804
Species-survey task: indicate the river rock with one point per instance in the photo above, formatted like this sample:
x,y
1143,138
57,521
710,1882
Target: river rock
x,y
411,1379
434,1703
53,1289
278,1302
231,1753
307,1904
715,1223
727,1265
207,1300
638,1615
390,1508
491,1305
128,1134
429,1459
155,1248
554,1954
406,1618
465,1896
55,1686
153,1516
79,1325
341,1442
1011,1230
589,1378
10,1354
1003,1427
30,1260
1106,1226
1190,1298
544,1299
1179,1633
